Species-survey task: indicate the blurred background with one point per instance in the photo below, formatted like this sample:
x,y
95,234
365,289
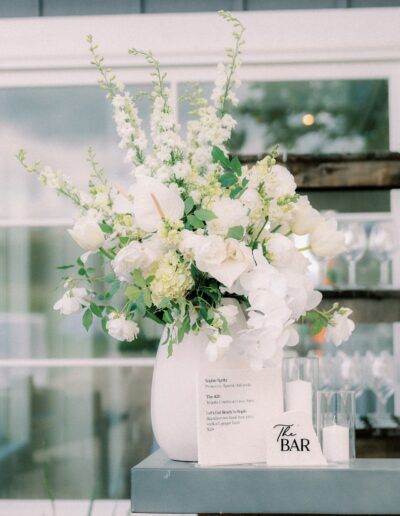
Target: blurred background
x,y
321,78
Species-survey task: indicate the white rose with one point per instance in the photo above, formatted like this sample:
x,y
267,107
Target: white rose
x,y
150,196
340,327
326,240
238,260
284,254
224,260
87,234
121,328
304,218
229,213
136,255
72,301
209,251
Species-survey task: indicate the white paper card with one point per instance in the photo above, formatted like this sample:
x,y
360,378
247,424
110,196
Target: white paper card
x,y
292,441
233,406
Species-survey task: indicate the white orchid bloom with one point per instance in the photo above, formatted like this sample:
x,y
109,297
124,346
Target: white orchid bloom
x,y
152,201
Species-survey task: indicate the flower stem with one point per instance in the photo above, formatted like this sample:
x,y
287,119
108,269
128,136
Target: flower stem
x,y
106,253
306,248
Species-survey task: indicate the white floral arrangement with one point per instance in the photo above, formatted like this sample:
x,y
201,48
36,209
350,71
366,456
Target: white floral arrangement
x,y
195,227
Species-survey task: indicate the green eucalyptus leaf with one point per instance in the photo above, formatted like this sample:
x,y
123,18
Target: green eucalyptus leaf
x,y
236,232
195,222
236,166
87,319
106,228
218,156
189,205
132,292
138,278
96,309
204,214
228,179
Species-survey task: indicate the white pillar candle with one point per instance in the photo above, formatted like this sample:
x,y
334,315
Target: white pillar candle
x,y
335,443
299,396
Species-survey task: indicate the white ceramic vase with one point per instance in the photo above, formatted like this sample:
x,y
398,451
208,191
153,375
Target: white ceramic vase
x,y
173,394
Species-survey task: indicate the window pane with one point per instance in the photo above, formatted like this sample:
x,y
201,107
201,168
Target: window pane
x,y
309,116
72,433
56,125
29,286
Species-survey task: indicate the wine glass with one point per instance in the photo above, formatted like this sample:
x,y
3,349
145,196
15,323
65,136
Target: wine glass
x,y
355,239
383,244
382,383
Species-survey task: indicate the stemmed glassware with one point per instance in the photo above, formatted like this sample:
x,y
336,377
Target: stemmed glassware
x,y
356,243
381,379
383,244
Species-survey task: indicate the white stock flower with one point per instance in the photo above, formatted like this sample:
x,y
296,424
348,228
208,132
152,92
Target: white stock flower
x,y
147,193
303,217
136,255
121,328
340,327
326,240
229,213
71,301
87,234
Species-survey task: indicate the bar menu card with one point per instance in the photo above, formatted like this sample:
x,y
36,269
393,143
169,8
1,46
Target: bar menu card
x,y
233,407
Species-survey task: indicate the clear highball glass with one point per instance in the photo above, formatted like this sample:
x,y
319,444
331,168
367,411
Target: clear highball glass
x,y
300,384
336,425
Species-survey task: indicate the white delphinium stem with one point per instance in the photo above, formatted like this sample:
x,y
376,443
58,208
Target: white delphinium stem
x,y
52,178
127,120
213,126
168,146
227,74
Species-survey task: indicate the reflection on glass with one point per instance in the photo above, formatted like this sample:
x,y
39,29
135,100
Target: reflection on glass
x,y
56,125
76,432
309,116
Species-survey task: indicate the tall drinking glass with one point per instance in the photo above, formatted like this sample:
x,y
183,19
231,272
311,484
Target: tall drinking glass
x,y
336,425
300,383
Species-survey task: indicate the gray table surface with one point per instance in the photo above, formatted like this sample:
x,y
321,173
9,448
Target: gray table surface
x,y
366,486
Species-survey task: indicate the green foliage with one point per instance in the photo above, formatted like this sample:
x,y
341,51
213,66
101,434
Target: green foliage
x,y
236,232
87,319
204,215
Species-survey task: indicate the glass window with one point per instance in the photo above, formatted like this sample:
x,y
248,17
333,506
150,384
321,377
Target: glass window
x,y
72,433
56,125
309,116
